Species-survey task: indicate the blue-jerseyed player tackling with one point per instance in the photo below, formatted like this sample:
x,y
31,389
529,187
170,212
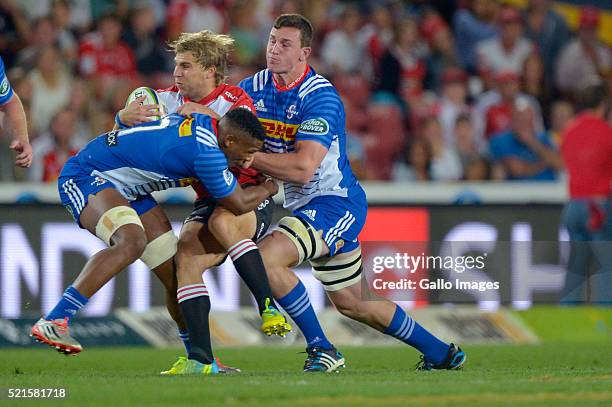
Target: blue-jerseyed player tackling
x,y
109,182
305,146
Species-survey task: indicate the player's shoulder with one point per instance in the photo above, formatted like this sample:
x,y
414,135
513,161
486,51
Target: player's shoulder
x,y
315,86
256,82
232,93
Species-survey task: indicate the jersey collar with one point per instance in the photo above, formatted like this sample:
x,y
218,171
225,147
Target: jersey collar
x,y
211,97
293,84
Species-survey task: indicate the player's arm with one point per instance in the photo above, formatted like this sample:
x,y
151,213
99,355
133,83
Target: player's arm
x,y
244,200
298,167
136,113
212,170
15,115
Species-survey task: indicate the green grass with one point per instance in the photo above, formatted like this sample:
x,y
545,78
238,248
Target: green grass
x,y
551,374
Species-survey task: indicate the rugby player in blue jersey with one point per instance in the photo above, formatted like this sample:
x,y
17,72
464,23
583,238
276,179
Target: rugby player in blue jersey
x,y
305,146
110,181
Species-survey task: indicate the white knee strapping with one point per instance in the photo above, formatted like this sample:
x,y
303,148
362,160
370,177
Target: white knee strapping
x,y
338,273
113,219
308,241
160,249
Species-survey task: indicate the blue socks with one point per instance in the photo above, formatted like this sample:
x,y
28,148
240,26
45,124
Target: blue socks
x,y
297,305
410,332
71,302
184,335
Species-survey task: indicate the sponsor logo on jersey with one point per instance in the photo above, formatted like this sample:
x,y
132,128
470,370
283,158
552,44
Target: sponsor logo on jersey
x,y
4,87
263,204
185,127
279,130
317,127
291,112
260,107
112,139
227,176
231,97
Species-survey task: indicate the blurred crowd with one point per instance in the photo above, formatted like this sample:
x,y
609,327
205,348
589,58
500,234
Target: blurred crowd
x,y
433,90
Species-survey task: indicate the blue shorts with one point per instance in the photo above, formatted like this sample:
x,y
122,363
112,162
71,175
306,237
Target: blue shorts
x,y
76,185
341,219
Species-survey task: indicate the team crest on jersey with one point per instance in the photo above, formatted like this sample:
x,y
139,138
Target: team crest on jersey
x,y
291,112
4,87
227,176
98,181
316,127
339,244
112,139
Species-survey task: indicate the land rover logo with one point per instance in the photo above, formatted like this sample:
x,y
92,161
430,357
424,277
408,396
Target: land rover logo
x,y
317,126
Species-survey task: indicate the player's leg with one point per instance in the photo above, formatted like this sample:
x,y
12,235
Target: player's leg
x,y
341,277
237,235
280,251
196,252
107,215
159,257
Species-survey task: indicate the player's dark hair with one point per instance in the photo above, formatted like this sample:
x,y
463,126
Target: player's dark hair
x,y
296,21
593,96
245,122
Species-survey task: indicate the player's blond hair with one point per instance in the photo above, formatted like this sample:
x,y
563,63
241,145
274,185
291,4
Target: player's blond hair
x,y
209,50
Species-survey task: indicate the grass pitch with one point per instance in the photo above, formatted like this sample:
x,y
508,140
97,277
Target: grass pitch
x,y
551,374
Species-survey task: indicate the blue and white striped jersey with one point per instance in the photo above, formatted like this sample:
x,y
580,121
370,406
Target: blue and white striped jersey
x,y
6,92
155,156
309,109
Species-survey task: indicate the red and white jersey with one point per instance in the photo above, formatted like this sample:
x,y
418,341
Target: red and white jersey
x,y
221,100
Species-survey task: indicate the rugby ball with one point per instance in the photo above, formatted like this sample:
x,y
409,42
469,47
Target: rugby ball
x,y
151,98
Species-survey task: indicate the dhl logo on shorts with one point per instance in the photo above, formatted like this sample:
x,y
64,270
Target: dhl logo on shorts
x,y
185,127
280,130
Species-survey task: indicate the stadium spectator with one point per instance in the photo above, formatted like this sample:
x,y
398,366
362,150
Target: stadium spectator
x,y
445,161
453,101
103,57
50,82
561,114
152,59
60,14
43,36
549,33
402,67
193,16
245,32
443,54
584,60
506,51
533,83
415,162
473,25
53,148
14,31
343,50
465,139
522,153
586,149
377,35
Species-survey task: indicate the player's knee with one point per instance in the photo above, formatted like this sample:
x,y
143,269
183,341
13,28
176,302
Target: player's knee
x,y
350,307
132,245
221,223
